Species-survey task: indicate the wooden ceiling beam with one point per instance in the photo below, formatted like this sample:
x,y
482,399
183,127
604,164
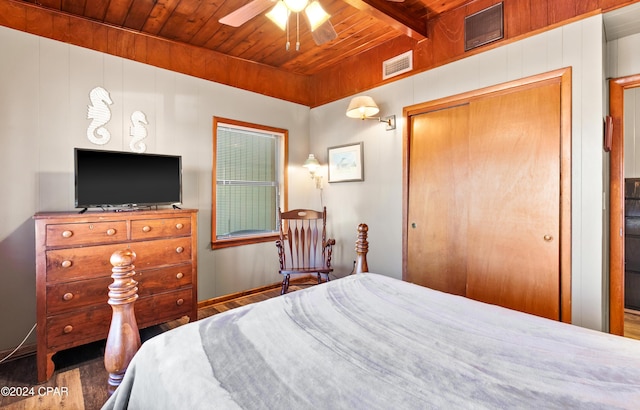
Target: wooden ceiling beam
x,y
395,15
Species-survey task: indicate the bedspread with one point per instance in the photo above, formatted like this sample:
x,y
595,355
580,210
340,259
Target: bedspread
x,y
368,341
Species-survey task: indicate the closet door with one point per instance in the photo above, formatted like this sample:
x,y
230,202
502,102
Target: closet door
x,y
514,213
484,199
438,200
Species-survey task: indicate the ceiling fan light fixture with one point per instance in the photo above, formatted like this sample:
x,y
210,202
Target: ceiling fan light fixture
x,y
296,5
315,15
279,14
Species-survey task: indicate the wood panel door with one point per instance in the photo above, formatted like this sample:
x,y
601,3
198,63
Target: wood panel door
x,y
514,217
484,199
439,181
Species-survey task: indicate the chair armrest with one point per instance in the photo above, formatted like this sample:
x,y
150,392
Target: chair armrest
x,y
280,247
327,250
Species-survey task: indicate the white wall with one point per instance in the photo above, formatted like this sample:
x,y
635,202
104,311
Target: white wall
x,y
378,200
44,94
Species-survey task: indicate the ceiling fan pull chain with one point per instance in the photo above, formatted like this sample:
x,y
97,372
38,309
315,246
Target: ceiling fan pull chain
x,y
297,31
288,43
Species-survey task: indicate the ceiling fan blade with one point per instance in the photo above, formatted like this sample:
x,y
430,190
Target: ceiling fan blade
x,y
324,33
246,12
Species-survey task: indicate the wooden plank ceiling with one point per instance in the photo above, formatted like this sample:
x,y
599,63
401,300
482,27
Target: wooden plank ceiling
x,y
186,36
360,25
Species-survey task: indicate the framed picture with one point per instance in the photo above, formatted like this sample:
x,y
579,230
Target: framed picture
x,y
346,163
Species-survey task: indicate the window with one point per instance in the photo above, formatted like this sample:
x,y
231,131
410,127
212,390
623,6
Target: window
x,y
249,183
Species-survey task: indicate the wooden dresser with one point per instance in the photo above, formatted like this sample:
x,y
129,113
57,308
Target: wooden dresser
x,y
73,273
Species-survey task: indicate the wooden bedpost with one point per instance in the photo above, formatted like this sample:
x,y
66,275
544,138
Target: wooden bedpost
x,y
124,338
362,247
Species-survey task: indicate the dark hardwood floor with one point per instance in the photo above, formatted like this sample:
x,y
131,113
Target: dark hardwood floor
x,y
80,379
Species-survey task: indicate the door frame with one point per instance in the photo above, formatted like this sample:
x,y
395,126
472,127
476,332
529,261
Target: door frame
x,y
563,76
617,86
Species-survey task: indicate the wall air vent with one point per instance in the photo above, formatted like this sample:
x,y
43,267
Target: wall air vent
x,y
483,27
397,65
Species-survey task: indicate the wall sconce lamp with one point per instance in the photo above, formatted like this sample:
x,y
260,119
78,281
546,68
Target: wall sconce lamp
x,y
364,107
313,166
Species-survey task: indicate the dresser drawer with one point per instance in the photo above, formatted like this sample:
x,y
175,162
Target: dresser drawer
x,y
65,296
164,252
164,307
163,279
80,327
85,233
160,228
632,225
94,261
84,326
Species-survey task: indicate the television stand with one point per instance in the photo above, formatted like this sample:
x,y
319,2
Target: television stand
x,y
83,210
73,277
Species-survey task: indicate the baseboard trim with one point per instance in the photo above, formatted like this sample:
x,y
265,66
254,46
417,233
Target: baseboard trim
x,y
24,351
226,298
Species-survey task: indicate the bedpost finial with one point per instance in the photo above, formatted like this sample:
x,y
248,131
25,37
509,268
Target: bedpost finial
x,y
362,247
123,257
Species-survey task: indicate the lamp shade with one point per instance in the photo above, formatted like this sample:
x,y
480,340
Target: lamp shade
x,y
362,107
279,14
311,164
316,15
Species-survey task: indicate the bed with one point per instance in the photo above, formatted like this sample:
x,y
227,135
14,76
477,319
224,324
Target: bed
x,y
371,341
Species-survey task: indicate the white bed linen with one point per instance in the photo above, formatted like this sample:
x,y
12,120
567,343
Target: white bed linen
x,y
368,341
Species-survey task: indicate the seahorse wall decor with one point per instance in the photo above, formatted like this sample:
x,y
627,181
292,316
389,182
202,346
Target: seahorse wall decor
x,y
138,131
100,113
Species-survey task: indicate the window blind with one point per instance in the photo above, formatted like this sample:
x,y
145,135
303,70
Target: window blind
x,y
247,181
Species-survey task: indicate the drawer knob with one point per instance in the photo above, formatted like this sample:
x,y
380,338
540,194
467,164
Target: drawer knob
x,y
179,226
180,275
111,231
146,228
67,234
179,302
179,249
68,329
68,296
66,264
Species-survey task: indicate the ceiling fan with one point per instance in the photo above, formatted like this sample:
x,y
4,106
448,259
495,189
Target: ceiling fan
x,y
321,28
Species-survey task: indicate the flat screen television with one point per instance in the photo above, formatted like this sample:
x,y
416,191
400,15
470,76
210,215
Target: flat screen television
x,y
125,179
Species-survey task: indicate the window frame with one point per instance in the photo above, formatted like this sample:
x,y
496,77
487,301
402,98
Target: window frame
x,y
249,239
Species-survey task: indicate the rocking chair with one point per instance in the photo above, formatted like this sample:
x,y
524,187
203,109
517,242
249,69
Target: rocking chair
x,y
303,247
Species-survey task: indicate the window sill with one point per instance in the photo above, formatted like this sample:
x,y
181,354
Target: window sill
x,y
244,240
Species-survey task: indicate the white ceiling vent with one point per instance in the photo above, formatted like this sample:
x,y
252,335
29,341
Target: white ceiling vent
x,y
397,65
